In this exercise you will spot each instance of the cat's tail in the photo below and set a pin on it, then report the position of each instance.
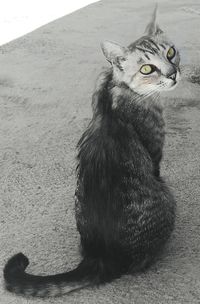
(89, 272)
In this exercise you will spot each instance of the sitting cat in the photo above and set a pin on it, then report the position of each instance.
(124, 210)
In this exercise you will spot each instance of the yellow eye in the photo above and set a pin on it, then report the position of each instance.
(171, 53)
(147, 69)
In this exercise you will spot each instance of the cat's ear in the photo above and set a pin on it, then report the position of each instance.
(114, 53)
(152, 28)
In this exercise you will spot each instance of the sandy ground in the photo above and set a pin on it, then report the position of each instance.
(46, 82)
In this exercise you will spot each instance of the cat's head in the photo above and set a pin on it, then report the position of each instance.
(148, 65)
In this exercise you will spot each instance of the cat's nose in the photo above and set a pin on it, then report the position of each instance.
(172, 76)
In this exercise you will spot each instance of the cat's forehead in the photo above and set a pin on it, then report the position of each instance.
(150, 45)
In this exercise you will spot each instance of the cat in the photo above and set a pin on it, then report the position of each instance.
(125, 212)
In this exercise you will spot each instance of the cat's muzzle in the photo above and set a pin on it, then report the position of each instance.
(173, 76)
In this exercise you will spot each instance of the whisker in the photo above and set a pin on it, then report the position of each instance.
(144, 96)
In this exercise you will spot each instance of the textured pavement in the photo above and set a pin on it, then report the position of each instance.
(46, 81)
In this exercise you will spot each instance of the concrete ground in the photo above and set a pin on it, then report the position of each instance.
(46, 82)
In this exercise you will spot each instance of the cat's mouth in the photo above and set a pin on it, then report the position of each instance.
(170, 86)
(173, 76)
(172, 81)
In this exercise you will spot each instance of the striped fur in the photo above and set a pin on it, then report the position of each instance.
(125, 212)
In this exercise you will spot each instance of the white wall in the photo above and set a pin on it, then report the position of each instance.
(18, 17)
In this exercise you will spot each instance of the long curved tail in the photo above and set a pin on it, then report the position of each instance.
(88, 272)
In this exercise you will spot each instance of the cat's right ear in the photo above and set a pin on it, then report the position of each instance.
(152, 28)
(114, 53)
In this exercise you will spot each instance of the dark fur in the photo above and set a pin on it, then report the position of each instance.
(124, 211)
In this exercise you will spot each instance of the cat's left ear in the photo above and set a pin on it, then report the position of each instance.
(114, 53)
(152, 28)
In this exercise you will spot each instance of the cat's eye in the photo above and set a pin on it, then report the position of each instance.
(171, 53)
(147, 69)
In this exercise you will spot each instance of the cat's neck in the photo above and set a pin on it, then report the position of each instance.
(112, 97)
(145, 115)
(116, 106)
(126, 100)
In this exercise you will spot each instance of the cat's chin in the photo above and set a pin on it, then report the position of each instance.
(172, 87)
